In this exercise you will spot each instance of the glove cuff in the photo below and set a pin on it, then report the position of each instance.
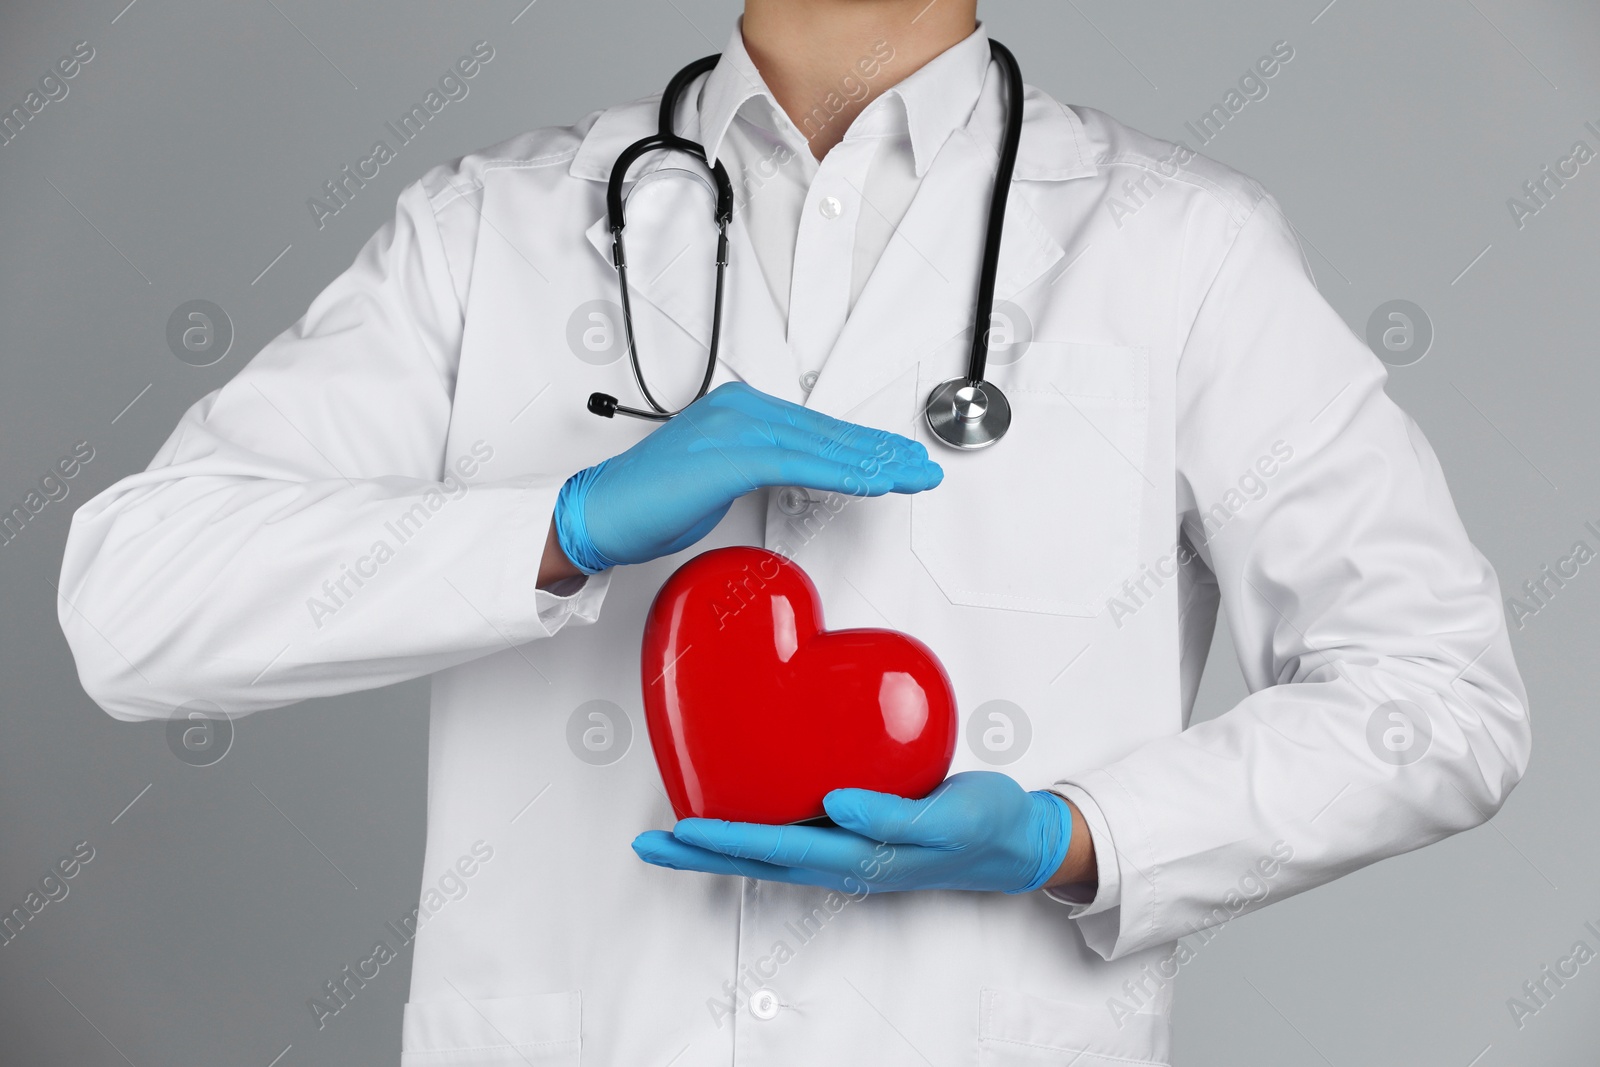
(572, 534)
(1050, 831)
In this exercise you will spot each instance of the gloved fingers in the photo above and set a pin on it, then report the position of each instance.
(869, 439)
(748, 469)
(784, 451)
(827, 475)
(887, 817)
(872, 457)
(662, 849)
(870, 468)
(884, 444)
(818, 848)
(760, 436)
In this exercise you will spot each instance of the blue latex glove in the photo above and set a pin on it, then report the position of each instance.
(978, 830)
(668, 491)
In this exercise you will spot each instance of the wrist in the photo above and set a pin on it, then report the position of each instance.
(1080, 866)
(570, 525)
(554, 566)
(1050, 826)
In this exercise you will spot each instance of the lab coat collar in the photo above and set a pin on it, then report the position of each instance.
(1054, 147)
(735, 84)
(926, 106)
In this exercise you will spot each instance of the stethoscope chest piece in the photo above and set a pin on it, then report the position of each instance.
(968, 415)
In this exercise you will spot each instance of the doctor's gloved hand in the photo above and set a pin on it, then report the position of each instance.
(978, 830)
(669, 490)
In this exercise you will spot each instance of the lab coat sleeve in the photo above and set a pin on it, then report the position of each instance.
(303, 532)
(1106, 892)
(1385, 710)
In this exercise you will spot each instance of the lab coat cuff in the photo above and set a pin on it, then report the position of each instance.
(574, 600)
(1108, 892)
(1124, 853)
(524, 611)
(571, 600)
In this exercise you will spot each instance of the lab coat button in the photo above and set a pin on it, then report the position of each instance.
(764, 1004)
(793, 500)
(808, 380)
(830, 207)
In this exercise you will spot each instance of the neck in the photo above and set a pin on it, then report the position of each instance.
(826, 60)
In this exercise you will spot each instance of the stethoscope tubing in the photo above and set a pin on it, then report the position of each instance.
(989, 266)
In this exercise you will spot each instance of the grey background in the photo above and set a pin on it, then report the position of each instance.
(181, 161)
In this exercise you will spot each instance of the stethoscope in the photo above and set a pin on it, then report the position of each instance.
(966, 412)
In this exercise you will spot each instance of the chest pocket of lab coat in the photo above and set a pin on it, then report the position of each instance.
(1047, 519)
(544, 1029)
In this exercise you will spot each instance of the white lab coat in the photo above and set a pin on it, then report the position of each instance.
(1194, 426)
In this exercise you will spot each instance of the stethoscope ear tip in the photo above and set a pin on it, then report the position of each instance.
(603, 405)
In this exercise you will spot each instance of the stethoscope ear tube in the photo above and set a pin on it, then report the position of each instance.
(664, 139)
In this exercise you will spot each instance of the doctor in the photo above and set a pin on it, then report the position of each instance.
(407, 482)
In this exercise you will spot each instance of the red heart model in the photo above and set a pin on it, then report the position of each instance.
(755, 711)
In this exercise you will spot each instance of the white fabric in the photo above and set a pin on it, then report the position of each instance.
(1184, 385)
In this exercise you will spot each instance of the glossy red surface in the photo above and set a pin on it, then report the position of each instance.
(755, 711)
